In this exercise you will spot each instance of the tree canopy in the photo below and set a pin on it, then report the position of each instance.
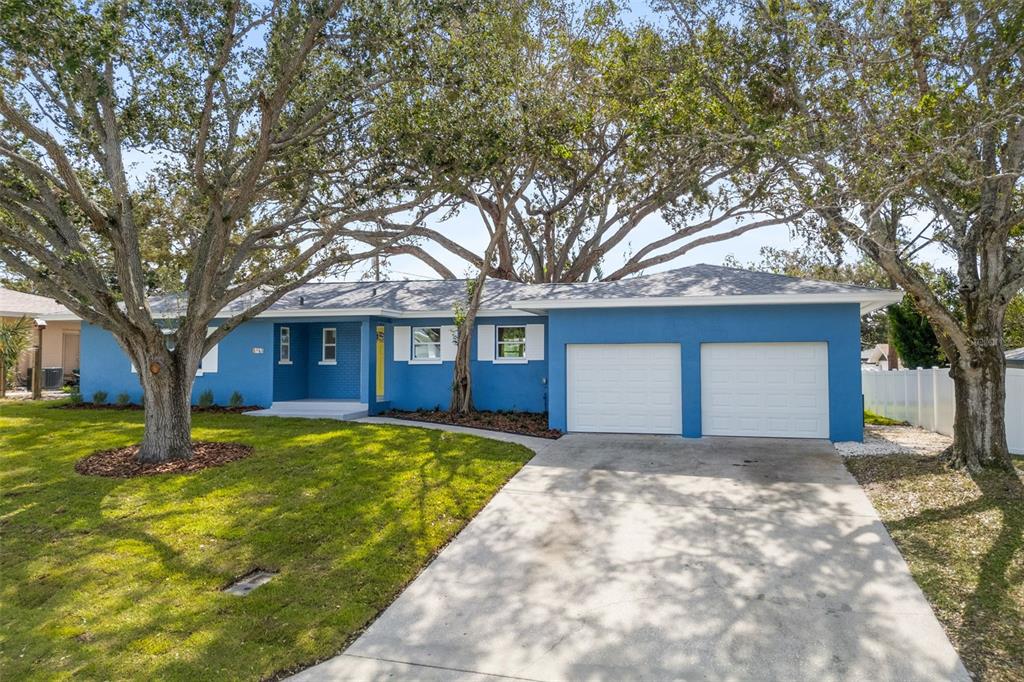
(217, 150)
(900, 128)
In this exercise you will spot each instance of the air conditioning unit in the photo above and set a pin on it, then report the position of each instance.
(53, 377)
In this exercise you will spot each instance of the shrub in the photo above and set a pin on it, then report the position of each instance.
(205, 399)
(235, 400)
(75, 396)
(99, 398)
(123, 400)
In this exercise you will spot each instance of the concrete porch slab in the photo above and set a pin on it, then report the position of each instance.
(314, 409)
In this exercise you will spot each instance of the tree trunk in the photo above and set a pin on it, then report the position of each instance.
(979, 427)
(462, 385)
(3, 379)
(168, 413)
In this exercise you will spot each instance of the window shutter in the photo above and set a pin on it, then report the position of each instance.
(403, 339)
(449, 345)
(534, 342)
(209, 361)
(485, 342)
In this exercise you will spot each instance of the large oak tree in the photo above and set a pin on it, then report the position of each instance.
(232, 135)
(900, 126)
(590, 127)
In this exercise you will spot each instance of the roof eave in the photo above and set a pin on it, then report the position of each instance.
(877, 299)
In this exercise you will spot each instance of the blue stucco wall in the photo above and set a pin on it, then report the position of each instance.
(521, 387)
(339, 381)
(105, 367)
(837, 325)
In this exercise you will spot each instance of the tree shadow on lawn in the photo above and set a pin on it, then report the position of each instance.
(983, 613)
(122, 577)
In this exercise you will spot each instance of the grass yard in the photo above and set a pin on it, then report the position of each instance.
(963, 538)
(120, 578)
(873, 419)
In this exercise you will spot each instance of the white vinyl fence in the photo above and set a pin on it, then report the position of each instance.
(924, 397)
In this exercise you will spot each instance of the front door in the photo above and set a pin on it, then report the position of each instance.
(380, 363)
(70, 352)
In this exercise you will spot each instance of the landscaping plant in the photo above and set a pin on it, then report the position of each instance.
(15, 339)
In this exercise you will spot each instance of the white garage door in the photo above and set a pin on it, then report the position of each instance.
(764, 389)
(624, 388)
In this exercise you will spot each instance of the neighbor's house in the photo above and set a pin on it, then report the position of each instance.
(59, 335)
(702, 350)
(882, 356)
(1015, 358)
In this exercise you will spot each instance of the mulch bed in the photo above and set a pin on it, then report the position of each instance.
(122, 462)
(214, 409)
(524, 423)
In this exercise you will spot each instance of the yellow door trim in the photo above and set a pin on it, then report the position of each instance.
(380, 362)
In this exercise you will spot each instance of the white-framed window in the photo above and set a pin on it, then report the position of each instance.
(511, 343)
(426, 343)
(284, 356)
(329, 356)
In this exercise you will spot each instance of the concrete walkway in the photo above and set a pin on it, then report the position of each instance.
(628, 557)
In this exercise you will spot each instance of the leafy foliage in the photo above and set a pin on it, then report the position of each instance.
(912, 335)
(15, 339)
(570, 127)
(215, 151)
(900, 128)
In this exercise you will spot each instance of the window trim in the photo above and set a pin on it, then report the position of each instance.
(498, 343)
(324, 345)
(428, 360)
(283, 332)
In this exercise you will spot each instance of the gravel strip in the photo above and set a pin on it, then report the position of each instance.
(895, 440)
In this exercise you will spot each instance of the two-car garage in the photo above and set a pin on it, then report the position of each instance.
(746, 389)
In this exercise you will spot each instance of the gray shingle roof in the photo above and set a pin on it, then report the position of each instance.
(699, 280)
(1015, 357)
(419, 296)
(15, 303)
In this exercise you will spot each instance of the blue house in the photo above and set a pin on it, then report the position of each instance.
(702, 350)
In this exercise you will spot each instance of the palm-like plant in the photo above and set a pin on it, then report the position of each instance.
(15, 339)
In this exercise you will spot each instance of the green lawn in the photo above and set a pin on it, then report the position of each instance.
(963, 538)
(878, 420)
(121, 579)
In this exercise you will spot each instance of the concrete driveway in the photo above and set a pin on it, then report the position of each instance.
(647, 557)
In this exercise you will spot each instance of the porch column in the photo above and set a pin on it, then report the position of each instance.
(367, 362)
(37, 371)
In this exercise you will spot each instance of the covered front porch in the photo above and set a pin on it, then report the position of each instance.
(329, 367)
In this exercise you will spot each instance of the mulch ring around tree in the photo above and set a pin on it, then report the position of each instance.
(524, 423)
(123, 462)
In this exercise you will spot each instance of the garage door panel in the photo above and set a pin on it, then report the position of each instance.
(624, 388)
(765, 389)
